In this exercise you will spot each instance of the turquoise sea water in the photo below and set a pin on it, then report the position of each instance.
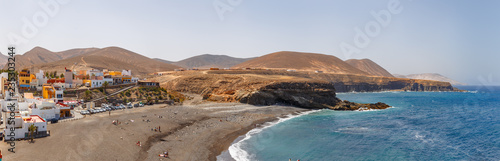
(421, 126)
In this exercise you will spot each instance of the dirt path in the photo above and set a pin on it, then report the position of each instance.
(85, 63)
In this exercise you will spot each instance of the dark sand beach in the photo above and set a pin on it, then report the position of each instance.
(189, 132)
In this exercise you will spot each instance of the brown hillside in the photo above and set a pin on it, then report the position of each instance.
(39, 55)
(3, 60)
(209, 61)
(369, 66)
(112, 58)
(301, 61)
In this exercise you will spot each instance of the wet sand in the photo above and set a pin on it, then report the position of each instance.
(190, 132)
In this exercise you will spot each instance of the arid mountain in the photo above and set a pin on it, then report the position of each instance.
(75, 52)
(111, 58)
(39, 55)
(209, 61)
(369, 66)
(3, 60)
(301, 61)
(164, 61)
(431, 76)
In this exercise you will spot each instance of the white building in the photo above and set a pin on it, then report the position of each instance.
(96, 83)
(95, 72)
(68, 78)
(134, 80)
(126, 72)
(43, 108)
(40, 80)
(59, 91)
(109, 80)
(22, 124)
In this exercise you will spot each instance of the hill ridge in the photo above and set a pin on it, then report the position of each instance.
(301, 61)
(369, 66)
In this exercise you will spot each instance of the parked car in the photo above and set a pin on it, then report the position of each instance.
(136, 105)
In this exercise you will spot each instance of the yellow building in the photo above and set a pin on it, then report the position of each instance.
(48, 91)
(87, 82)
(24, 79)
(126, 79)
(115, 73)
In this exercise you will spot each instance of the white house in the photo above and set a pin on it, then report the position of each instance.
(109, 80)
(134, 80)
(22, 124)
(95, 72)
(40, 80)
(96, 83)
(126, 72)
(43, 108)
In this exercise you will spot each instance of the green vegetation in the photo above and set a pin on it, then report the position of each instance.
(32, 130)
(105, 85)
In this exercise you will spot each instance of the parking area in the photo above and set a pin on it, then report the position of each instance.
(110, 107)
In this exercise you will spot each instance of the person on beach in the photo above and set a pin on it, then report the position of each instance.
(159, 129)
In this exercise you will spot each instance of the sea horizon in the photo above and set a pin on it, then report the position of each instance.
(404, 128)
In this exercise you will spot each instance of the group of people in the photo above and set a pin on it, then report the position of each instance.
(165, 154)
(116, 122)
(156, 129)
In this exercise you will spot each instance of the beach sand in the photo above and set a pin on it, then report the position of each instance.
(190, 132)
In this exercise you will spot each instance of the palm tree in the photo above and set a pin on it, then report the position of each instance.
(105, 85)
(32, 129)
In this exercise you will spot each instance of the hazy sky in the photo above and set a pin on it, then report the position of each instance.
(456, 38)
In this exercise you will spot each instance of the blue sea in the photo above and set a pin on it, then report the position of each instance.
(420, 126)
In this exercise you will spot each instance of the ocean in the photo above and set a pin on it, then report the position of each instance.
(420, 126)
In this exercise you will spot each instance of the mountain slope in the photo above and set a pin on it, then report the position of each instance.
(39, 55)
(369, 66)
(431, 76)
(112, 58)
(3, 60)
(301, 61)
(164, 61)
(208, 61)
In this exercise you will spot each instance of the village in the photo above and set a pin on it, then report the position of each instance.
(43, 98)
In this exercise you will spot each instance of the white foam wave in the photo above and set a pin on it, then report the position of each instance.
(367, 110)
(236, 151)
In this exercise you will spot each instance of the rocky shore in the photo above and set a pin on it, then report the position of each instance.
(266, 90)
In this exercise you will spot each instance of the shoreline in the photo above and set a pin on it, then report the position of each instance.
(226, 143)
(188, 132)
(242, 132)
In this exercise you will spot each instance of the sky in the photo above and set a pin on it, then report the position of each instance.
(459, 39)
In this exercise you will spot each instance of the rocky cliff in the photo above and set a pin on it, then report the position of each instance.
(263, 90)
(356, 83)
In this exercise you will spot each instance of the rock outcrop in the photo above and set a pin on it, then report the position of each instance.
(268, 90)
(301, 94)
(351, 106)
